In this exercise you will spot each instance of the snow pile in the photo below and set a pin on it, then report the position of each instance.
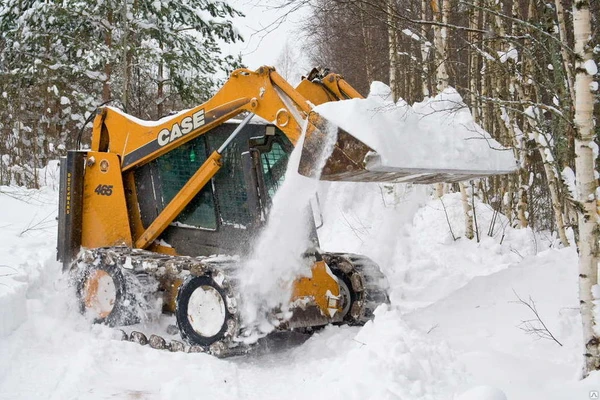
(26, 218)
(484, 320)
(434, 258)
(438, 133)
(483, 393)
(277, 259)
(13, 309)
(386, 359)
(412, 238)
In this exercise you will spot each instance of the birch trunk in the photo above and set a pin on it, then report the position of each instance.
(586, 186)
(552, 177)
(562, 31)
(425, 48)
(473, 60)
(468, 210)
(441, 44)
(367, 45)
(392, 48)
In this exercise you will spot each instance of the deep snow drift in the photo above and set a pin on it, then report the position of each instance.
(438, 133)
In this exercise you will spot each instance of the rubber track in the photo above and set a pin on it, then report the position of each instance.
(368, 283)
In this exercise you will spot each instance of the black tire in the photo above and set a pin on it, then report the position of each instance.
(183, 299)
(123, 311)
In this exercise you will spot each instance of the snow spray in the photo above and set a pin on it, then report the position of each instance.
(277, 259)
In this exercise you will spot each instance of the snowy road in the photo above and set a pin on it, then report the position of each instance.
(453, 324)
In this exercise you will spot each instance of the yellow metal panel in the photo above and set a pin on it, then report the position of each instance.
(316, 93)
(322, 287)
(104, 218)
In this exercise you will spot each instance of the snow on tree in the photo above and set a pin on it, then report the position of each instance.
(60, 60)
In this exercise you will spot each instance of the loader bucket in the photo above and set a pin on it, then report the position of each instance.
(353, 161)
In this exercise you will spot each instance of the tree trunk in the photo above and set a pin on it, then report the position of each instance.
(367, 45)
(468, 210)
(108, 66)
(560, 19)
(126, 60)
(552, 177)
(441, 44)
(586, 186)
(425, 49)
(392, 48)
(474, 61)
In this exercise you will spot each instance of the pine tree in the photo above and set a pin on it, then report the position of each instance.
(60, 60)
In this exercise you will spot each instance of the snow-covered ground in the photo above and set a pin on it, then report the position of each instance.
(452, 331)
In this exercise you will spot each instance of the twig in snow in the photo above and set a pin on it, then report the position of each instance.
(474, 212)
(535, 326)
(38, 225)
(515, 251)
(448, 219)
(432, 328)
(9, 267)
(382, 196)
(352, 228)
(504, 231)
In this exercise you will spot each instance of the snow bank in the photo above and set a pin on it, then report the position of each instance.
(386, 359)
(26, 218)
(483, 320)
(438, 133)
(13, 309)
(483, 393)
(410, 236)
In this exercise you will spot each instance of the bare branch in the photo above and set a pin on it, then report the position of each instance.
(535, 326)
(448, 219)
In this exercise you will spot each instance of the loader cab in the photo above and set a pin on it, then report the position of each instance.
(228, 213)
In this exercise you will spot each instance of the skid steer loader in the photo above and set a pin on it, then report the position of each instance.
(146, 208)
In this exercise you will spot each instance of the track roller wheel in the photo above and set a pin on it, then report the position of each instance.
(102, 293)
(362, 286)
(349, 296)
(206, 313)
(112, 295)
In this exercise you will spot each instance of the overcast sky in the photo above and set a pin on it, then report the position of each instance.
(265, 29)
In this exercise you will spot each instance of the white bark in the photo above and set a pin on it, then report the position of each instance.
(473, 61)
(560, 19)
(392, 48)
(425, 48)
(552, 177)
(586, 186)
(441, 43)
(366, 36)
(468, 210)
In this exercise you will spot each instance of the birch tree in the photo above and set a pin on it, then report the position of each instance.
(587, 185)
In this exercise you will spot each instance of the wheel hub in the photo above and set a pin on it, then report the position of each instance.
(206, 311)
(344, 296)
(100, 293)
